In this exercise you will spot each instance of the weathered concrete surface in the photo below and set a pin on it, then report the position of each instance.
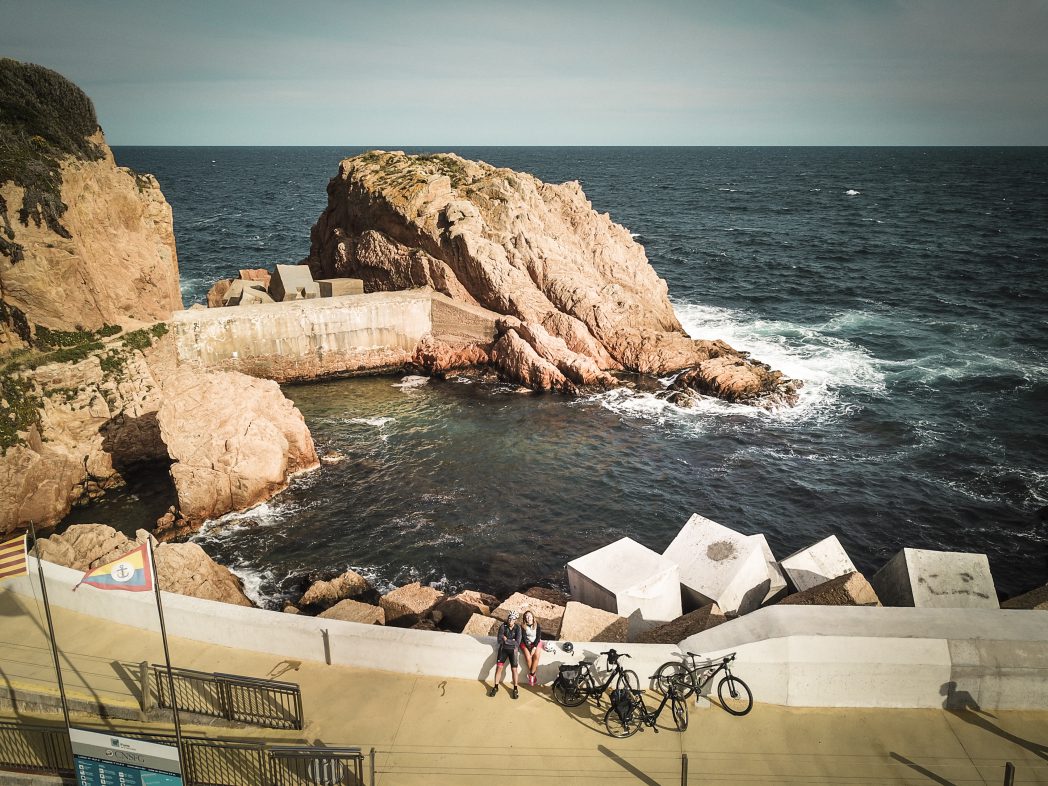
(630, 580)
(585, 623)
(817, 564)
(936, 579)
(1034, 599)
(337, 287)
(851, 589)
(688, 625)
(719, 565)
(310, 339)
(292, 282)
(778, 586)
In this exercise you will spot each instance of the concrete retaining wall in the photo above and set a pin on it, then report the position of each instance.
(311, 339)
(807, 656)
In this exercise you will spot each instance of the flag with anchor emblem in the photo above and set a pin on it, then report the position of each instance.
(131, 572)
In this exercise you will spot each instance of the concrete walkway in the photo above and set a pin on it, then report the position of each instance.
(432, 731)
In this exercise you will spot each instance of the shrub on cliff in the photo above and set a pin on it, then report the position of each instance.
(44, 118)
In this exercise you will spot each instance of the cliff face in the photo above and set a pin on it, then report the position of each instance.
(579, 295)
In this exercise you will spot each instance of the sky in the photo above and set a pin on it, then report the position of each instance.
(569, 72)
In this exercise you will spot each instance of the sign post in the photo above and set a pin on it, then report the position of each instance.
(101, 759)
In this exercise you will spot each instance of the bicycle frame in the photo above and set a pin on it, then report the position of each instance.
(599, 690)
(695, 671)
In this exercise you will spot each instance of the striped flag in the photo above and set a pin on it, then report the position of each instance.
(12, 558)
(131, 572)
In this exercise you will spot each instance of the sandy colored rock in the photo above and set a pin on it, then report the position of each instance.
(851, 589)
(118, 262)
(548, 615)
(255, 274)
(585, 623)
(354, 611)
(327, 593)
(186, 568)
(679, 629)
(479, 625)
(216, 296)
(1034, 599)
(581, 288)
(738, 380)
(425, 624)
(457, 610)
(554, 596)
(85, 546)
(406, 605)
(235, 441)
(291, 609)
(436, 358)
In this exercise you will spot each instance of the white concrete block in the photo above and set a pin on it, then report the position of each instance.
(627, 579)
(778, 586)
(817, 564)
(936, 579)
(719, 565)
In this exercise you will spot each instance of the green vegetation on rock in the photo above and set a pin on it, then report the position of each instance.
(44, 118)
(19, 409)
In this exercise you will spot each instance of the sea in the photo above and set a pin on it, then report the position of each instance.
(907, 287)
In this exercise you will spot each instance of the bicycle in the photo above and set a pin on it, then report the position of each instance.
(576, 683)
(628, 713)
(734, 694)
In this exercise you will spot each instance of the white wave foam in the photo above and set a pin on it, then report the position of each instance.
(374, 422)
(411, 381)
(828, 366)
(252, 581)
(852, 192)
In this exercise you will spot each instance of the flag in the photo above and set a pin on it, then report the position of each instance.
(12, 558)
(131, 572)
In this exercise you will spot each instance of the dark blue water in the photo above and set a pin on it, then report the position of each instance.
(906, 286)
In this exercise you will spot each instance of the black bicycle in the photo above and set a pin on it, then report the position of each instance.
(734, 694)
(628, 714)
(577, 682)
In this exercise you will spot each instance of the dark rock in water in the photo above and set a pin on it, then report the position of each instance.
(733, 379)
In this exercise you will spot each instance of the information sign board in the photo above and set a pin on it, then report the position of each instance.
(101, 759)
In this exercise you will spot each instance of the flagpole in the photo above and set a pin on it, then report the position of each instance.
(50, 626)
(167, 653)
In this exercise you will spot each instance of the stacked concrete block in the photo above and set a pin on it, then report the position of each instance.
(336, 287)
(779, 586)
(479, 625)
(1034, 599)
(353, 611)
(817, 564)
(254, 297)
(719, 565)
(851, 589)
(679, 629)
(936, 580)
(585, 623)
(548, 615)
(293, 282)
(630, 580)
(406, 605)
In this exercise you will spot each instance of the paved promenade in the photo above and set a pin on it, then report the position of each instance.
(432, 731)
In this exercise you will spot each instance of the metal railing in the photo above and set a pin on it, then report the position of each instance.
(269, 703)
(43, 749)
(205, 761)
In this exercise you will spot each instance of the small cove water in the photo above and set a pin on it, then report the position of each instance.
(904, 285)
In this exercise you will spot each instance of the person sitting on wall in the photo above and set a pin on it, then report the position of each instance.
(531, 645)
(507, 641)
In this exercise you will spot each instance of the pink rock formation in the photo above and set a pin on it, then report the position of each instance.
(583, 298)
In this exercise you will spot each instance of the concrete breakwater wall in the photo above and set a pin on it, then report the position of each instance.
(802, 656)
(309, 339)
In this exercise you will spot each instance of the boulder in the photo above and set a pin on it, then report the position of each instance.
(936, 579)
(817, 564)
(1034, 599)
(406, 605)
(584, 299)
(585, 623)
(186, 568)
(353, 611)
(739, 380)
(547, 615)
(85, 546)
(216, 296)
(291, 609)
(688, 625)
(436, 358)
(425, 624)
(259, 274)
(554, 596)
(851, 589)
(457, 610)
(327, 593)
(479, 625)
(235, 441)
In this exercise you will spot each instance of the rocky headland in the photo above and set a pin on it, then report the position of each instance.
(90, 389)
(578, 298)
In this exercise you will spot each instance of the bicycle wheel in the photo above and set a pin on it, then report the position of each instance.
(619, 727)
(570, 694)
(679, 709)
(677, 675)
(630, 678)
(734, 695)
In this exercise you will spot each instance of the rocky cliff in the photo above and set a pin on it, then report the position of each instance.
(578, 294)
(88, 394)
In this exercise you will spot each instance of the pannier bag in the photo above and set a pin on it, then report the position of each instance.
(570, 674)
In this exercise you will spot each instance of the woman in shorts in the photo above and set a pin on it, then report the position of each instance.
(531, 645)
(508, 642)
